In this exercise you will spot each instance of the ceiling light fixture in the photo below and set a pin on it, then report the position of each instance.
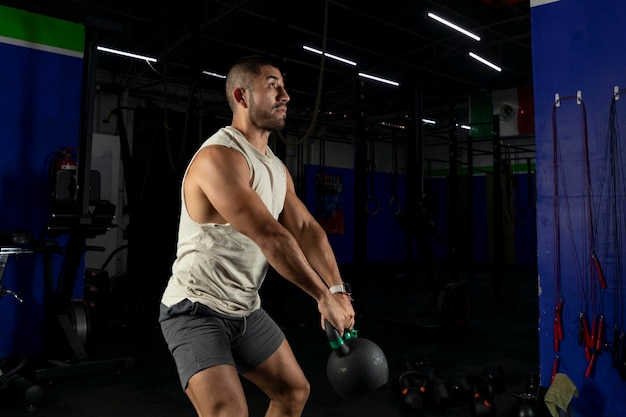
(428, 121)
(126, 54)
(453, 26)
(347, 61)
(326, 54)
(484, 61)
(380, 80)
(214, 74)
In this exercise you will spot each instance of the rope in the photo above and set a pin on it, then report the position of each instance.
(616, 213)
(590, 268)
(395, 205)
(371, 173)
(557, 166)
(319, 88)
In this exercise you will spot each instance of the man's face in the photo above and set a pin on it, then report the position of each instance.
(268, 100)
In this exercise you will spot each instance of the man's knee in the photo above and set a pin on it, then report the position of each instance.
(217, 391)
(297, 394)
(291, 400)
(301, 391)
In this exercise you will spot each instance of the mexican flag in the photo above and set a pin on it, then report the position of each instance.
(512, 108)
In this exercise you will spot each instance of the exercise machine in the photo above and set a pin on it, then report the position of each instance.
(68, 324)
(11, 380)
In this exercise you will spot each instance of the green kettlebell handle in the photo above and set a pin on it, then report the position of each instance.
(336, 341)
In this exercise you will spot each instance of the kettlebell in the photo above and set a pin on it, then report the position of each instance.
(410, 387)
(356, 366)
(525, 406)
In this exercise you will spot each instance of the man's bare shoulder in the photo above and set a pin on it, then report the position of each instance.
(215, 161)
(216, 154)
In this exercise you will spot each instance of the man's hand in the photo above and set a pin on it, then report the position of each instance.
(337, 309)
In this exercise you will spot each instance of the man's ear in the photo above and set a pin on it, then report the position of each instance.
(240, 96)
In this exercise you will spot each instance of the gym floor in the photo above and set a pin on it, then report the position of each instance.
(394, 311)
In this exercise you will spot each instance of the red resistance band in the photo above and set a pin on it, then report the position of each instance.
(593, 341)
(596, 262)
(558, 326)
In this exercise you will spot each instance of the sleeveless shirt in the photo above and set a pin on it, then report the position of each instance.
(215, 264)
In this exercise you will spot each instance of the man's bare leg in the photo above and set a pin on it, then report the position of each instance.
(217, 392)
(282, 379)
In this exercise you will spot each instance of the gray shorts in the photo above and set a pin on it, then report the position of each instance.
(199, 338)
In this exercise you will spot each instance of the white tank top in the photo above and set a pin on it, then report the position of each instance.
(215, 264)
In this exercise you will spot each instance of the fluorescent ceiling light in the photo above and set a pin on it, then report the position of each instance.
(453, 26)
(347, 61)
(127, 54)
(381, 80)
(466, 127)
(213, 74)
(428, 121)
(326, 54)
(484, 61)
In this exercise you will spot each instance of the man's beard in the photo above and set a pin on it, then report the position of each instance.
(265, 120)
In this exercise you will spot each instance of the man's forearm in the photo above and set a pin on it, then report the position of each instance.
(288, 259)
(320, 256)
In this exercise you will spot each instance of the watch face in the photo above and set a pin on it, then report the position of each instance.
(347, 289)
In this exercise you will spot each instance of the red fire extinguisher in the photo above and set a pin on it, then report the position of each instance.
(64, 176)
(66, 159)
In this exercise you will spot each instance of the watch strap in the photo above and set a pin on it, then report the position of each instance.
(343, 288)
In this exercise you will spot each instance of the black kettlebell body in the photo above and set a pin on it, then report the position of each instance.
(482, 407)
(356, 366)
(410, 388)
(524, 409)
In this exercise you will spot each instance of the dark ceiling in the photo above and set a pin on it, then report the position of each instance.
(393, 39)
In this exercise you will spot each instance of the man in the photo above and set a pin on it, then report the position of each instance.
(239, 214)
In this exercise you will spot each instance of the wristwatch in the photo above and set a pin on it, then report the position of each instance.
(343, 288)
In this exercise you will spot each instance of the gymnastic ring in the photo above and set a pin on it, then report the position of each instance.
(367, 205)
(398, 209)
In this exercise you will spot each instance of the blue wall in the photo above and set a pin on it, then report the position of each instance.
(39, 113)
(578, 45)
(387, 240)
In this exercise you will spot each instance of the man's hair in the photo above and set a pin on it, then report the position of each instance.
(241, 73)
